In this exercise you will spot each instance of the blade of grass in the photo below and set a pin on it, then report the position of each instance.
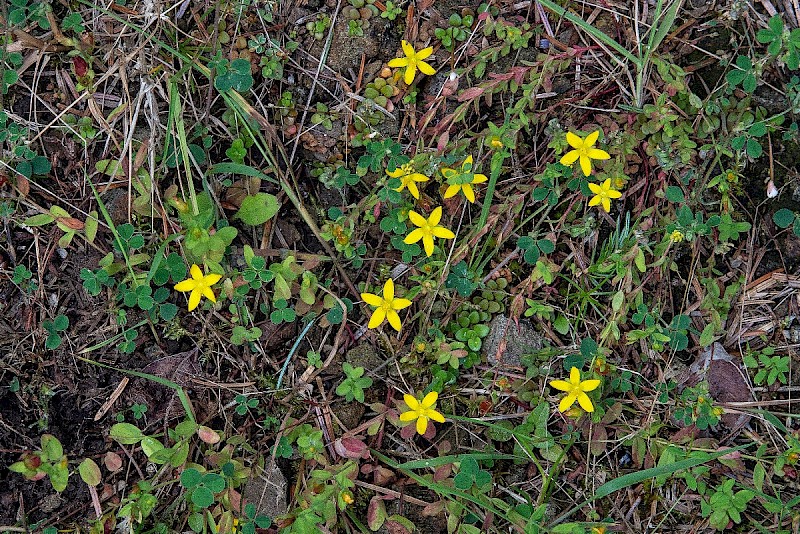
(175, 117)
(187, 406)
(637, 477)
(591, 30)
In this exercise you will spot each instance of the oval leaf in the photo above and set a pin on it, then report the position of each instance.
(90, 472)
(126, 434)
(258, 209)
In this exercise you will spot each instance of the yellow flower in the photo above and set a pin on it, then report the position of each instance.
(386, 306)
(462, 180)
(603, 194)
(421, 411)
(199, 285)
(496, 142)
(584, 150)
(576, 390)
(428, 229)
(408, 178)
(413, 61)
(676, 236)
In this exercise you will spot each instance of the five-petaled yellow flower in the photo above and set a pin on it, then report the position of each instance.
(386, 306)
(462, 180)
(199, 285)
(413, 61)
(584, 151)
(576, 390)
(603, 194)
(421, 411)
(427, 229)
(408, 178)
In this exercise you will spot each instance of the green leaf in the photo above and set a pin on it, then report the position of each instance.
(126, 434)
(202, 497)
(707, 337)
(39, 220)
(90, 472)
(190, 478)
(51, 448)
(258, 209)
(561, 325)
(783, 217)
(754, 149)
(675, 194)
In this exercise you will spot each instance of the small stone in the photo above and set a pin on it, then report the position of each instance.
(507, 343)
(267, 491)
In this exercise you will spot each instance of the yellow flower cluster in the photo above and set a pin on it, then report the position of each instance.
(583, 151)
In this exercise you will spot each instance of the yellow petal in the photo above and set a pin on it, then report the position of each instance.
(575, 376)
(595, 188)
(425, 68)
(212, 278)
(467, 161)
(613, 193)
(196, 273)
(408, 416)
(560, 385)
(416, 218)
(596, 153)
(595, 200)
(419, 177)
(207, 293)
(468, 192)
(377, 318)
(591, 138)
(408, 50)
(585, 402)
(422, 425)
(186, 285)
(430, 399)
(606, 204)
(566, 402)
(436, 216)
(479, 178)
(399, 304)
(586, 165)
(574, 141)
(590, 385)
(411, 71)
(452, 191)
(388, 290)
(194, 299)
(414, 236)
(427, 244)
(394, 320)
(444, 233)
(398, 62)
(412, 188)
(397, 173)
(372, 300)
(425, 53)
(436, 416)
(570, 157)
(411, 401)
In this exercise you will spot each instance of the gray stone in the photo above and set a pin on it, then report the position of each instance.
(267, 491)
(506, 342)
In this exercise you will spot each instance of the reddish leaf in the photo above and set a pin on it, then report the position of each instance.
(376, 513)
(351, 448)
(471, 93)
(207, 435)
(112, 461)
(80, 66)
